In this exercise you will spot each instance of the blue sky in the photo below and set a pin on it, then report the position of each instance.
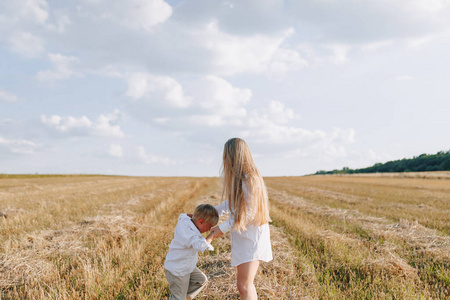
(148, 87)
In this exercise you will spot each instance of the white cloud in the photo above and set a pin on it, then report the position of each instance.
(343, 136)
(20, 25)
(286, 60)
(162, 101)
(134, 14)
(202, 71)
(7, 97)
(104, 126)
(19, 146)
(65, 124)
(331, 149)
(35, 11)
(265, 130)
(404, 78)
(339, 53)
(421, 40)
(244, 18)
(217, 38)
(246, 54)
(115, 150)
(206, 120)
(376, 45)
(72, 126)
(277, 113)
(62, 68)
(162, 89)
(214, 47)
(212, 101)
(273, 129)
(61, 21)
(270, 125)
(219, 97)
(26, 44)
(149, 158)
(432, 6)
(374, 157)
(358, 22)
(219, 109)
(292, 146)
(337, 158)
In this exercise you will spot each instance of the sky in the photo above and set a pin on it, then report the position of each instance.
(155, 88)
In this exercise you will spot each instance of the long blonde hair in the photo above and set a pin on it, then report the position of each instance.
(239, 168)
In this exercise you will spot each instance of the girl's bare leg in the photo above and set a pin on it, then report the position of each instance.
(246, 273)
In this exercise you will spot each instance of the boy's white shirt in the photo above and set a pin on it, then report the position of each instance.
(183, 250)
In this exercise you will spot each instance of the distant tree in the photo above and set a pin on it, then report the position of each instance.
(424, 162)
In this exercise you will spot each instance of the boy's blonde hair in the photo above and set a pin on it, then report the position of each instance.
(206, 212)
(239, 168)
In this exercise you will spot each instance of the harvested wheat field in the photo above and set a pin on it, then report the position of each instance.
(333, 237)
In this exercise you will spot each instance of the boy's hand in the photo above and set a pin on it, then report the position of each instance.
(210, 237)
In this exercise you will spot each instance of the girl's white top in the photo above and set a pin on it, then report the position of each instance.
(251, 244)
(183, 250)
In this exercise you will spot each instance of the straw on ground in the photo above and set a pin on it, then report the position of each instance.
(333, 237)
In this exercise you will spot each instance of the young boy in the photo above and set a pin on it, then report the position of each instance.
(185, 279)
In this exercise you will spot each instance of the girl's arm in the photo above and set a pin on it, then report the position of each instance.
(215, 233)
(225, 226)
(222, 208)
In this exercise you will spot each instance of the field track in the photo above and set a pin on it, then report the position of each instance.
(333, 237)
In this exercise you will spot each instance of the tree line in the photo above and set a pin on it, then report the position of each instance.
(424, 162)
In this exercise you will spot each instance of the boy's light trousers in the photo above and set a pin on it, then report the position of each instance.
(187, 286)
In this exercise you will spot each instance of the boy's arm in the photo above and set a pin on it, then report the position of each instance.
(200, 244)
(210, 237)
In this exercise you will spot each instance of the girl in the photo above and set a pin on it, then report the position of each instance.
(247, 203)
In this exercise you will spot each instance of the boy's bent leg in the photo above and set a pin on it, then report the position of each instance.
(178, 285)
(197, 282)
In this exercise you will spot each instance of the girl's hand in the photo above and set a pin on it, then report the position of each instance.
(190, 215)
(216, 232)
